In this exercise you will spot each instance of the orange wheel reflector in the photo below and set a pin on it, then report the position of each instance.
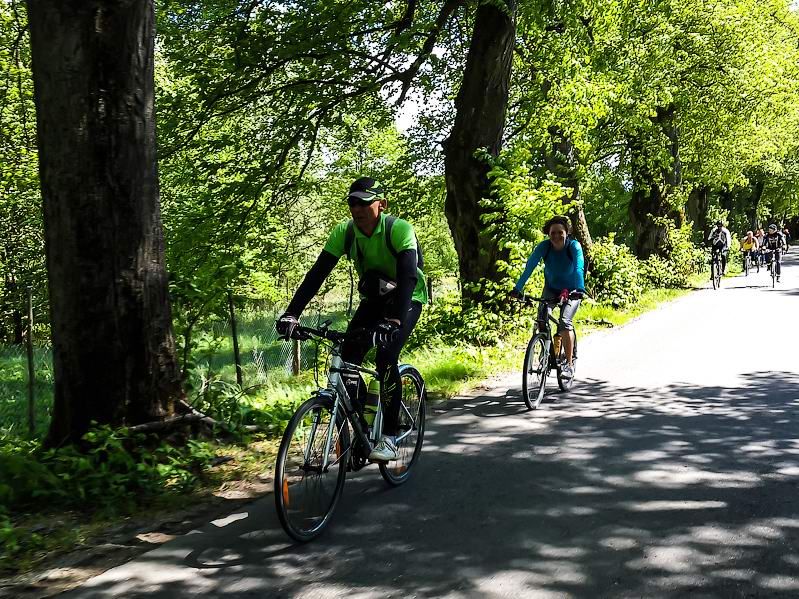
(338, 448)
(401, 469)
(285, 492)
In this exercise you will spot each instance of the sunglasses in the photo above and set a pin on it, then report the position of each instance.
(353, 201)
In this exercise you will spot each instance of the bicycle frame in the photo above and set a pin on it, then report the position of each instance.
(549, 338)
(337, 392)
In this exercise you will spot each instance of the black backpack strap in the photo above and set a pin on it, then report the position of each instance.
(389, 224)
(390, 220)
(546, 254)
(349, 239)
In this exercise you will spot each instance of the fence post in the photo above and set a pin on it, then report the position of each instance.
(295, 357)
(31, 411)
(236, 356)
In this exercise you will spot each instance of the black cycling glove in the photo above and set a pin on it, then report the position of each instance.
(385, 332)
(285, 326)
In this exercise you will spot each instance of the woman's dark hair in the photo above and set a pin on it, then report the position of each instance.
(558, 220)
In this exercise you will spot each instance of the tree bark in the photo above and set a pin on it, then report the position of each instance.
(696, 208)
(562, 163)
(651, 189)
(757, 195)
(481, 107)
(113, 345)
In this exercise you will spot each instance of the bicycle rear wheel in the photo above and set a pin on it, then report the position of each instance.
(565, 383)
(410, 427)
(536, 368)
(306, 493)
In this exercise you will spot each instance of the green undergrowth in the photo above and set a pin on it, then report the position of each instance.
(55, 500)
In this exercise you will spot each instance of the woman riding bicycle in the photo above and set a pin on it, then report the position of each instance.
(749, 245)
(564, 271)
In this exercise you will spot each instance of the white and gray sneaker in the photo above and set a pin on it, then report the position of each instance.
(385, 450)
(566, 371)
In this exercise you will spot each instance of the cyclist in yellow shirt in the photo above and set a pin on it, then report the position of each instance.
(750, 246)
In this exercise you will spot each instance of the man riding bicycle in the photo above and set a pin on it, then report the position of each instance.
(564, 271)
(392, 287)
(720, 241)
(774, 245)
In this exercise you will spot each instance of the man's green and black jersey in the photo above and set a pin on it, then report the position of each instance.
(399, 263)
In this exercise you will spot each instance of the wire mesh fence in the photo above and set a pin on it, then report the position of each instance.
(262, 357)
(15, 389)
(261, 353)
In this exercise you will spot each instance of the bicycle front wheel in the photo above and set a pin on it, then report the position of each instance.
(410, 427)
(715, 274)
(308, 486)
(536, 368)
(565, 382)
(747, 262)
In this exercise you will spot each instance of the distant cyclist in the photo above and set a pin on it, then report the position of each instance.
(787, 234)
(564, 271)
(774, 244)
(392, 287)
(749, 245)
(720, 241)
(759, 234)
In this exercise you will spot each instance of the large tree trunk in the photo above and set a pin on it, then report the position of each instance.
(113, 346)
(754, 205)
(480, 107)
(696, 208)
(562, 163)
(650, 197)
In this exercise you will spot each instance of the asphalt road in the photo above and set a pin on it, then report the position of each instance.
(670, 469)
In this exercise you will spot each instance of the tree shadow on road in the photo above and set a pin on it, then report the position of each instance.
(606, 491)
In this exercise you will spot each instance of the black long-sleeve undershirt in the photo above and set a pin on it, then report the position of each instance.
(312, 282)
(406, 283)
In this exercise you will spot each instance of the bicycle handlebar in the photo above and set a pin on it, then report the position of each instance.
(302, 333)
(530, 300)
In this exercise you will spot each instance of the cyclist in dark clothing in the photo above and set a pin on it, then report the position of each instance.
(774, 245)
(392, 288)
(720, 240)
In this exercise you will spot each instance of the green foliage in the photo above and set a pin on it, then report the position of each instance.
(22, 262)
(679, 260)
(112, 468)
(614, 277)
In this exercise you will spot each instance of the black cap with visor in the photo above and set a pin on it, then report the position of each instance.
(365, 191)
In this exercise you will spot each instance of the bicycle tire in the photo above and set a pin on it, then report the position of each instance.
(291, 487)
(536, 368)
(713, 274)
(563, 382)
(746, 265)
(411, 417)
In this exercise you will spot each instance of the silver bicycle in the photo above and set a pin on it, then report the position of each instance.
(327, 436)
